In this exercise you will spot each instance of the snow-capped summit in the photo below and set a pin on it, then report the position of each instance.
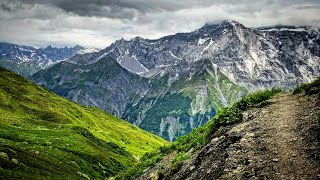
(26, 60)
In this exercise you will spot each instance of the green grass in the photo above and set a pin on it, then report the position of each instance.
(222, 90)
(52, 137)
(309, 89)
(199, 136)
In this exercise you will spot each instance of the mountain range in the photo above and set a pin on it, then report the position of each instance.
(169, 86)
(26, 60)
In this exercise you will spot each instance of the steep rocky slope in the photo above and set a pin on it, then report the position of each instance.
(278, 139)
(44, 136)
(171, 85)
(26, 60)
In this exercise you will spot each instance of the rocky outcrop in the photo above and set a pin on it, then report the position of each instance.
(278, 140)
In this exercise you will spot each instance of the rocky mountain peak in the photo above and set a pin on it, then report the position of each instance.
(226, 24)
(171, 85)
(137, 38)
(231, 22)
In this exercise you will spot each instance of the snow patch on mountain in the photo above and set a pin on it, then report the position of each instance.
(132, 64)
(88, 50)
(202, 41)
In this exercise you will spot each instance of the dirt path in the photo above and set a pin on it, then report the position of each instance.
(280, 140)
(285, 139)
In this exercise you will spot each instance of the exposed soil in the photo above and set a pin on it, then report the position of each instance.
(280, 140)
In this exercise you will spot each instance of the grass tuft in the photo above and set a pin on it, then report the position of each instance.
(309, 89)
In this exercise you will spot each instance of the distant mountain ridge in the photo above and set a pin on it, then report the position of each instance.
(171, 85)
(26, 60)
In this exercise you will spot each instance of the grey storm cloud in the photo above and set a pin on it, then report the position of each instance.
(97, 23)
(127, 9)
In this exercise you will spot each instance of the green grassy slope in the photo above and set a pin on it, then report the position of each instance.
(45, 135)
(309, 88)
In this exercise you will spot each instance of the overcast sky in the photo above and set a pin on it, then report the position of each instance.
(98, 23)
